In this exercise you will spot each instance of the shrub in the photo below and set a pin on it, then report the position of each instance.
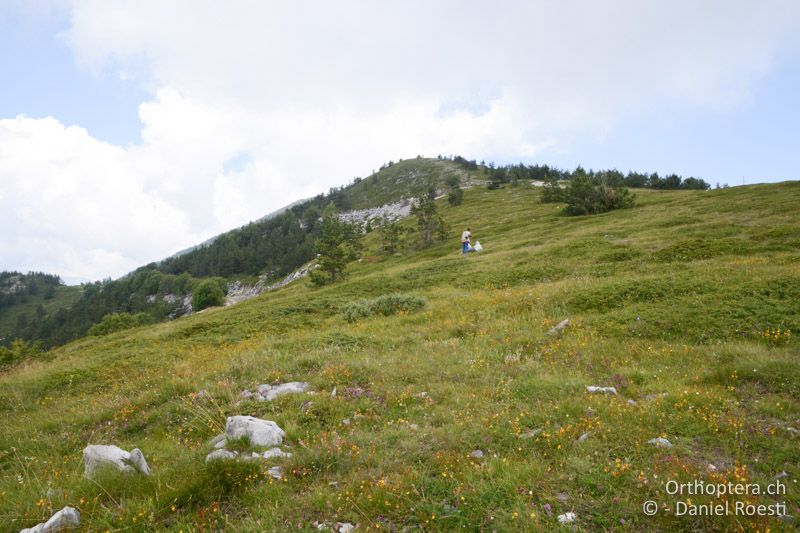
(207, 293)
(585, 198)
(388, 304)
(117, 322)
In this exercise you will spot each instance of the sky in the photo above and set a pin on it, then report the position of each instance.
(130, 130)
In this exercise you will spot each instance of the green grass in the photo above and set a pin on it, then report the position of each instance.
(681, 303)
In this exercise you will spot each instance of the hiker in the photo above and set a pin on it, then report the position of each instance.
(465, 244)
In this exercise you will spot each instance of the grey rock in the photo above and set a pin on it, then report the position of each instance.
(97, 456)
(530, 433)
(558, 327)
(218, 455)
(660, 442)
(246, 395)
(220, 441)
(66, 518)
(592, 389)
(631, 402)
(345, 527)
(794, 432)
(276, 472)
(138, 461)
(270, 392)
(567, 518)
(259, 432)
(477, 454)
(583, 437)
(782, 475)
(275, 453)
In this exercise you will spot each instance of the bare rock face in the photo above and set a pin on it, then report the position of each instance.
(66, 518)
(97, 456)
(259, 432)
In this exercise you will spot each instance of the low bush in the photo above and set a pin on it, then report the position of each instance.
(119, 321)
(388, 304)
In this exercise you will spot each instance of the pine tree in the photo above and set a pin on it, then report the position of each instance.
(331, 250)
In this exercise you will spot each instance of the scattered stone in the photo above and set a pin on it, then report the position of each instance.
(603, 390)
(344, 527)
(413, 427)
(246, 395)
(259, 432)
(782, 475)
(530, 433)
(270, 392)
(220, 441)
(138, 461)
(306, 406)
(631, 402)
(346, 421)
(477, 454)
(276, 472)
(660, 442)
(333, 393)
(583, 437)
(654, 396)
(275, 452)
(711, 468)
(558, 327)
(355, 392)
(96, 456)
(794, 432)
(66, 518)
(567, 518)
(563, 497)
(217, 455)
(200, 396)
(423, 394)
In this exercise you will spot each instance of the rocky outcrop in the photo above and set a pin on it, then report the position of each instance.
(393, 211)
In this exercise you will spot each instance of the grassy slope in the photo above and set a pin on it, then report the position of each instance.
(671, 297)
(63, 296)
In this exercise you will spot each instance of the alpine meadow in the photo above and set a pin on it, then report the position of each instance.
(594, 357)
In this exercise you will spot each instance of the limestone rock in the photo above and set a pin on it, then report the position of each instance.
(276, 472)
(660, 442)
(602, 390)
(567, 518)
(218, 455)
(66, 518)
(275, 452)
(530, 433)
(259, 432)
(220, 441)
(558, 327)
(583, 437)
(477, 454)
(96, 456)
(138, 461)
(270, 392)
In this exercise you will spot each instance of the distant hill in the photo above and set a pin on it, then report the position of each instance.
(28, 298)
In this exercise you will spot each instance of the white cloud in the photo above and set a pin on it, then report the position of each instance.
(316, 93)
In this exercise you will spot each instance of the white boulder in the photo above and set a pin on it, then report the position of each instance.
(66, 518)
(97, 456)
(259, 432)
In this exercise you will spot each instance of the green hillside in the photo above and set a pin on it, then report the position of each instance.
(686, 304)
(26, 306)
